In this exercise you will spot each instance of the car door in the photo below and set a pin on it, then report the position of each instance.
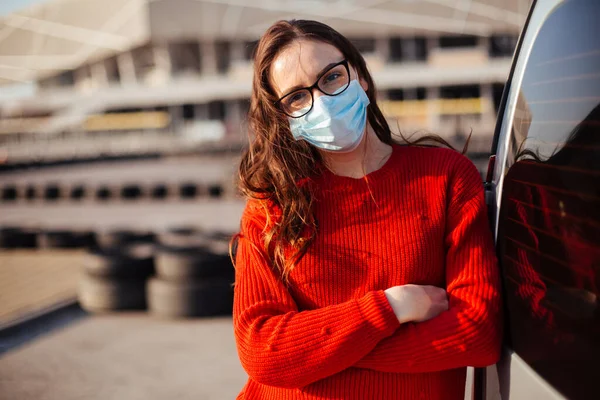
(543, 193)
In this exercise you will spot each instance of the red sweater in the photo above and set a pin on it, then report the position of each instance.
(331, 333)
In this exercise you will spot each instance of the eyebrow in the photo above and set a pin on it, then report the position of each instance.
(319, 75)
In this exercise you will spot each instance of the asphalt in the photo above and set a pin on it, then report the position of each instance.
(118, 356)
(36, 281)
(124, 356)
(129, 356)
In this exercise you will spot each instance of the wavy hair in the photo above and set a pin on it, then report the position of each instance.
(276, 169)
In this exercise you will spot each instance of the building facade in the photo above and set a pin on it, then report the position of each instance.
(172, 76)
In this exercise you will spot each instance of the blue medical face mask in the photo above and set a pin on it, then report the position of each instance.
(335, 123)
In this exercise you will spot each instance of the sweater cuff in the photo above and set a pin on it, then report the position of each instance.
(377, 311)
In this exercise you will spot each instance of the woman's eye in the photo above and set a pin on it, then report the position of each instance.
(296, 98)
(332, 77)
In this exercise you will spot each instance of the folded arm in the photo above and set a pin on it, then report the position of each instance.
(280, 346)
(469, 333)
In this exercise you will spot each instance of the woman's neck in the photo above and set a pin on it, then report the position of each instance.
(370, 155)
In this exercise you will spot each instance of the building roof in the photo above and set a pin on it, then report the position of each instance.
(59, 35)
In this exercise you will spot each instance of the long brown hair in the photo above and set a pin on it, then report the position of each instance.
(275, 168)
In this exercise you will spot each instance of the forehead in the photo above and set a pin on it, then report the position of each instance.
(300, 63)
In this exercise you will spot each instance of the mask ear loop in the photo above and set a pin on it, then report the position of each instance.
(364, 171)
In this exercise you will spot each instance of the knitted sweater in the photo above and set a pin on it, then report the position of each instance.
(330, 333)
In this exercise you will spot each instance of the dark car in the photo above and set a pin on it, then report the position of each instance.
(543, 193)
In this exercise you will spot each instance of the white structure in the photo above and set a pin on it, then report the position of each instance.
(127, 76)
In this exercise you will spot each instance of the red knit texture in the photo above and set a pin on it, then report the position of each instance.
(331, 333)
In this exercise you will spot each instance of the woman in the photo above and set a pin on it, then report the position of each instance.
(364, 269)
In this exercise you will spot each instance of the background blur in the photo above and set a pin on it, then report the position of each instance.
(121, 125)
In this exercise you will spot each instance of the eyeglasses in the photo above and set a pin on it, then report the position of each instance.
(331, 82)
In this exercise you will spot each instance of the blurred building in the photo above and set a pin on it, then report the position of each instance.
(118, 77)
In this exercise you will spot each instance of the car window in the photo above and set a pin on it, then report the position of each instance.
(549, 223)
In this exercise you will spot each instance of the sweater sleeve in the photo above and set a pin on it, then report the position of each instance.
(469, 333)
(279, 345)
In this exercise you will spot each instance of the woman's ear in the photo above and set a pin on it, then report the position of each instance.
(363, 84)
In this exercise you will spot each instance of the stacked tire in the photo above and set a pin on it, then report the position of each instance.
(194, 275)
(115, 272)
(23, 237)
(15, 237)
(66, 239)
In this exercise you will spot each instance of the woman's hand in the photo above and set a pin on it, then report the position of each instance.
(417, 303)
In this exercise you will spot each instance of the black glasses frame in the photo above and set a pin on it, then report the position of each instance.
(312, 87)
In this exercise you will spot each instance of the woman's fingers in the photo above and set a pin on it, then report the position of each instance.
(417, 302)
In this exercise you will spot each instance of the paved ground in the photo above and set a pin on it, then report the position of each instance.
(33, 281)
(119, 356)
(132, 356)
(102, 357)
(126, 357)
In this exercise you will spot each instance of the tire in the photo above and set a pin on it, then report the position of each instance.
(131, 192)
(215, 190)
(120, 237)
(184, 263)
(218, 245)
(226, 269)
(159, 192)
(30, 193)
(65, 239)
(189, 253)
(188, 190)
(18, 238)
(103, 294)
(87, 239)
(104, 193)
(216, 242)
(52, 192)
(77, 193)
(134, 262)
(182, 237)
(9, 193)
(190, 299)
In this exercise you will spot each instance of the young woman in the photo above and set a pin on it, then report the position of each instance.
(365, 269)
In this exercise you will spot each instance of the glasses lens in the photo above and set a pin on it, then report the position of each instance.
(335, 80)
(297, 103)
